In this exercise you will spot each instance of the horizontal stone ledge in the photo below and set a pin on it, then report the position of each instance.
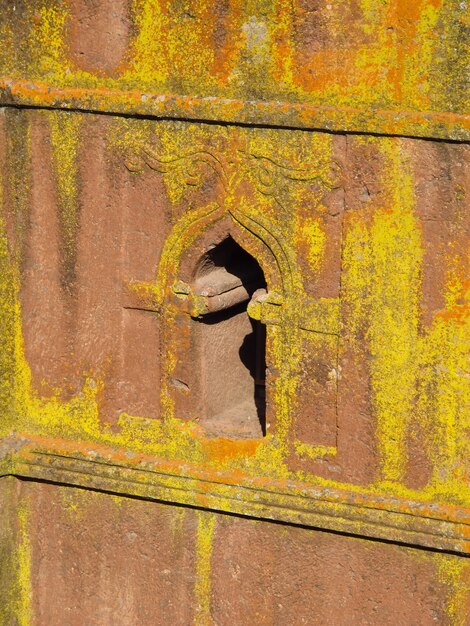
(354, 512)
(300, 115)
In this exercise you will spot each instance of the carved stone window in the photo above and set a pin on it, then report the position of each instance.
(218, 322)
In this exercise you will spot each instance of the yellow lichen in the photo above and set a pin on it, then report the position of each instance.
(455, 573)
(23, 601)
(314, 236)
(47, 41)
(149, 58)
(203, 583)
(18, 178)
(417, 66)
(407, 55)
(314, 452)
(177, 522)
(396, 250)
(7, 334)
(444, 400)
(395, 55)
(65, 132)
(415, 373)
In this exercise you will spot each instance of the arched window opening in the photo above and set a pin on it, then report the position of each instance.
(232, 346)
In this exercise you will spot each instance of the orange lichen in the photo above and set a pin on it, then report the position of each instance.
(400, 57)
(392, 73)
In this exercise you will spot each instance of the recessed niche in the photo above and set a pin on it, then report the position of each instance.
(231, 345)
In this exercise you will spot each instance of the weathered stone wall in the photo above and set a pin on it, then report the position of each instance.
(330, 142)
(99, 559)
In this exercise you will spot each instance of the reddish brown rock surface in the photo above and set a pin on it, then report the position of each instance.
(233, 313)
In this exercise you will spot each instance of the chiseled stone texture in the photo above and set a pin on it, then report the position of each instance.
(109, 561)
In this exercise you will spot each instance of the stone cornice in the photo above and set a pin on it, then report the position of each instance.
(300, 115)
(355, 511)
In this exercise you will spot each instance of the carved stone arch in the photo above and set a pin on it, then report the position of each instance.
(255, 234)
(274, 241)
(183, 234)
